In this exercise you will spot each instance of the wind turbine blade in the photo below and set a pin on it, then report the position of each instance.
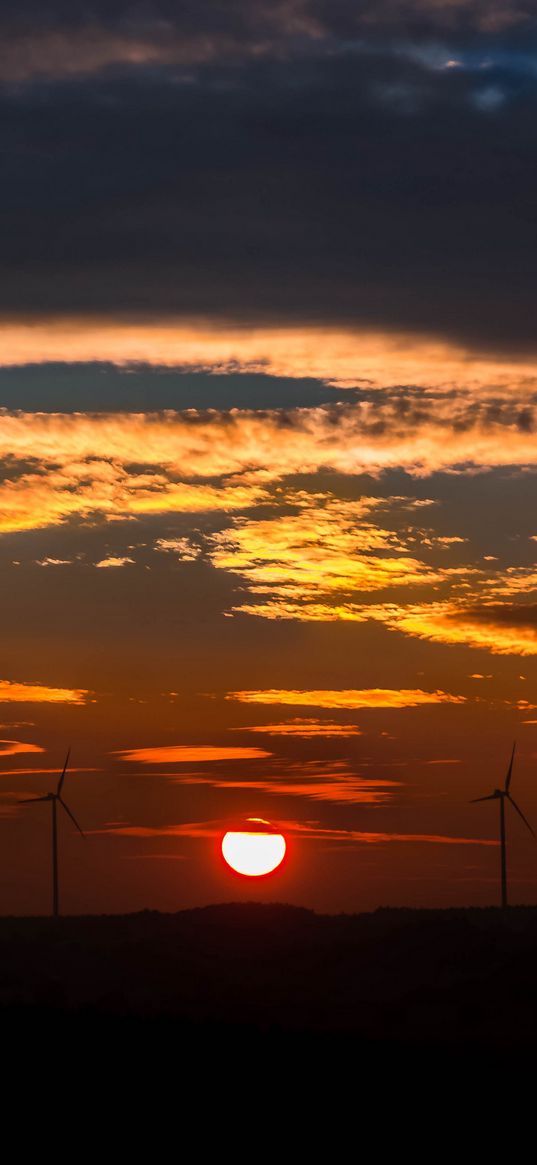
(64, 770)
(32, 800)
(510, 769)
(491, 797)
(520, 813)
(71, 815)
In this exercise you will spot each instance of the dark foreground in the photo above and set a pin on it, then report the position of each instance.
(248, 1033)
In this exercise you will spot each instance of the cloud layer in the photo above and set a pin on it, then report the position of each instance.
(187, 159)
(62, 41)
(61, 465)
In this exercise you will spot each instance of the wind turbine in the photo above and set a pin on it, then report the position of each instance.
(503, 795)
(55, 800)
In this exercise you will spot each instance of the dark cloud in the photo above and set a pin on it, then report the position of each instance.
(61, 39)
(363, 183)
(510, 614)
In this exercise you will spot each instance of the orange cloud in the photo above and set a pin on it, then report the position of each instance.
(304, 728)
(194, 829)
(182, 547)
(104, 487)
(114, 562)
(13, 747)
(454, 623)
(189, 753)
(39, 772)
(326, 612)
(494, 609)
(376, 838)
(82, 464)
(245, 450)
(53, 561)
(333, 787)
(329, 546)
(443, 761)
(12, 692)
(347, 698)
(340, 356)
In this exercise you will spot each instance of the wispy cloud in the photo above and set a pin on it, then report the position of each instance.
(48, 561)
(114, 562)
(189, 754)
(184, 548)
(340, 356)
(307, 728)
(480, 608)
(212, 829)
(347, 698)
(12, 692)
(82, 41)
(315, 557)
(503, 629)
(106, 489)
(329, 546)
(13, 747)
(338, 787)
(111, 461)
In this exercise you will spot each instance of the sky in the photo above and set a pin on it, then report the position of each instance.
(268, 393)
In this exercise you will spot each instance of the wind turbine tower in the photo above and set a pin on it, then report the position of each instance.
(503, 795)
(55, 799)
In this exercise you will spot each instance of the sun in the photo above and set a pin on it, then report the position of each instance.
(255, 850)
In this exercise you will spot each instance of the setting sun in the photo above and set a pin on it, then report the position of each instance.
(254, 851)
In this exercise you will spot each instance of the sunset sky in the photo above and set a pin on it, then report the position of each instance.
(268, 380)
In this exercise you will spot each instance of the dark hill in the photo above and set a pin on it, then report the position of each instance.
(398, 974)
(380, 1030)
